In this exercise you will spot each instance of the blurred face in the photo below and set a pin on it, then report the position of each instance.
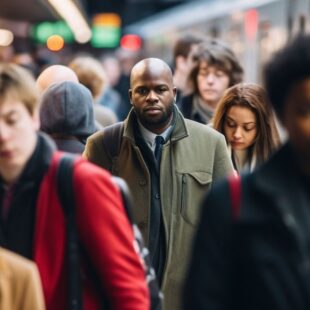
(17, 138)
(296, 119)
(240, 127)
(152, 96)
(212, 82)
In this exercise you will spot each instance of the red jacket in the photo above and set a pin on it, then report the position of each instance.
(105, 234)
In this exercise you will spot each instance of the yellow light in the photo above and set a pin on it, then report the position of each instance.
(107, 19)
(6, 37)
(55, 43)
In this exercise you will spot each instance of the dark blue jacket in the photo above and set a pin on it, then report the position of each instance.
(261, 260)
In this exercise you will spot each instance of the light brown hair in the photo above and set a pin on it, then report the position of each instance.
(90, 73)
(16, 83)
(253, 97)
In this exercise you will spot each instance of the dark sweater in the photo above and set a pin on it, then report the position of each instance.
(17, 231)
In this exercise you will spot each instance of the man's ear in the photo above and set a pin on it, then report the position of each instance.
(175, 93)
(130, 95)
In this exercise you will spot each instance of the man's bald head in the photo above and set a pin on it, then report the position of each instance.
(151, 66)
(55, 74)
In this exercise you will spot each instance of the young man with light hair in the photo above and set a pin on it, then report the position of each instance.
(32, 219)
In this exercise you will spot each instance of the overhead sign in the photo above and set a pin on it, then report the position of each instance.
(42, 31)
(106, 31)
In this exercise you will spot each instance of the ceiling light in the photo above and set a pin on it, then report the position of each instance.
(6, 37)
(68, 10)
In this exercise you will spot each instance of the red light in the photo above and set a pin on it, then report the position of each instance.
(131, 42)
(251, 23)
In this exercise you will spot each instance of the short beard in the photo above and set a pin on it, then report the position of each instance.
(156, 124)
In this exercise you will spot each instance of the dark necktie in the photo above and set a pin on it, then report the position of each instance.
(159, 141)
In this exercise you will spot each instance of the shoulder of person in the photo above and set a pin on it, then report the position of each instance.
(198, 128)
(98, 135)
(16, 263)
(85, 169)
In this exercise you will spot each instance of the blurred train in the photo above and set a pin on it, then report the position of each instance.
(254, 29)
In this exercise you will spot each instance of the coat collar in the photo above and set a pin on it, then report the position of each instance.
(179, 131)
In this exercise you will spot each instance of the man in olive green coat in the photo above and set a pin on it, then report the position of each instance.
(168, 179)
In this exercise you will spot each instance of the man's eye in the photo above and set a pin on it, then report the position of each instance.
(142, 91)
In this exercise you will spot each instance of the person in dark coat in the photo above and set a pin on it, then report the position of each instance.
(259, 258)
(67, 115)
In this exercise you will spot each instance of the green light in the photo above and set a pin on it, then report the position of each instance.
(62, 29)
(42, 31)
(105, 36)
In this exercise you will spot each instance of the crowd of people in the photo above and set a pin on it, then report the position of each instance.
(220, 198)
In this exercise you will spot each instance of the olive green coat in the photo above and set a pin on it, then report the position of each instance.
(192, 159)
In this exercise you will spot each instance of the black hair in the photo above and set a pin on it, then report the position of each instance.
(287, 67)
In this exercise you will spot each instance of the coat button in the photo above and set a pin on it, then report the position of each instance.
(157, 196)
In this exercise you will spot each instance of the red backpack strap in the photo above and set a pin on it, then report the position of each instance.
(234, 183)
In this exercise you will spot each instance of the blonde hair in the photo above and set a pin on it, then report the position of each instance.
(253, 97)
(90, 73)
(16, 83)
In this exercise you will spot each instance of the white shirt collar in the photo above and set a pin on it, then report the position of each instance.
(149, 136)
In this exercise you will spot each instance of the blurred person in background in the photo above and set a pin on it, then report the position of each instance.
(183, 48)
(245, 117)
(6, 53)
(68, 119)
(127, 60)
(110, 97)
(55, 74)
(168, 163)
(215, 69)
(67, 115)
(20, 284)
(91, 74)
(252, 250)
(32, 219)
(25, 59)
